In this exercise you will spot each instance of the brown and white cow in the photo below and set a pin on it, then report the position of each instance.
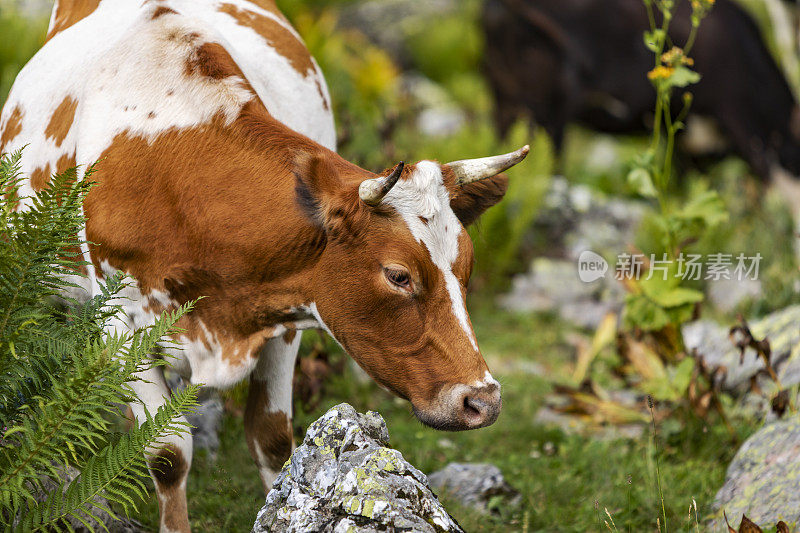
(218, 178)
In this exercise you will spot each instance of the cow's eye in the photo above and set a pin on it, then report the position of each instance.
(398, 277)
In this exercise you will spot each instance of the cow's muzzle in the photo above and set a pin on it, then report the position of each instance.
(462, 407)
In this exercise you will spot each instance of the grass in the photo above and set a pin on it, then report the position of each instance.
(567, 481)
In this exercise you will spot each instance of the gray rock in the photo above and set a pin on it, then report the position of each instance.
(345, 478)
(207, 418)
(710, 341)
(474, 485)
(763, 481)
(574, 218)
(438, 114)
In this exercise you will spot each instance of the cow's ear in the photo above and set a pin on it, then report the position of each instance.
(471, 200)
(317, 183)
(323, 196)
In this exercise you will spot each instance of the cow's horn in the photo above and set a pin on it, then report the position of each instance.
(469, 170)
(373, 190)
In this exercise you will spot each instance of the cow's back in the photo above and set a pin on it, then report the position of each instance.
(118, 66)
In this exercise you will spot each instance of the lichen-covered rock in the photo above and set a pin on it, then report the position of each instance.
(710, 341)
(345, 478)
(763, 481)
(474, 485)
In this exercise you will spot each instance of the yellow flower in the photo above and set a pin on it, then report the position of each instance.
(675, 56)
(660, 73)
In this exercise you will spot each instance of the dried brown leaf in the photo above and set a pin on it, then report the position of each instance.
(748, 526)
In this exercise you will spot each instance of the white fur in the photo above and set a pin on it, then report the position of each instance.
(487, 381)
(276, 369)
(423, 194)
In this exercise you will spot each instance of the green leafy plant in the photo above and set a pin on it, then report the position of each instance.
(62, 374)
(661, 301)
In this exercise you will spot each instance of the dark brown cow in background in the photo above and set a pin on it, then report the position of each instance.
(585, 60)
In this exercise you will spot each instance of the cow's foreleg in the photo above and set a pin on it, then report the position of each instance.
(268, 416)
(169, 463)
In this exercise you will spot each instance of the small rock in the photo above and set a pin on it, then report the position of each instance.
(344, 477)
(763, 481)
(439, 115)
(475, 485)
(574, 218)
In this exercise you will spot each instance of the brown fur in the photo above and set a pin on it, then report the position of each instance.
(169, 469)
(213, 61)
(40, 177)
(12, 128)
(284, 42)
(68, 12)
(152, 220)
(161, 11)
(61, 121)
(289, 336)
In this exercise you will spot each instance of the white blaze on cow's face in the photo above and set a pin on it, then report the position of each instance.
(393, 285)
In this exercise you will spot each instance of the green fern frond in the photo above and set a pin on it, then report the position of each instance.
(63, 372)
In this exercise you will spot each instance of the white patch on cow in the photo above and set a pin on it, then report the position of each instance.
(423, 194)
(52, 22)
(127, 73)
(487, 381)
(312, 308)
(276, 369)
(292, 98)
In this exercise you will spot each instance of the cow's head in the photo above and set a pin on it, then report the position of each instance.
(391, 283)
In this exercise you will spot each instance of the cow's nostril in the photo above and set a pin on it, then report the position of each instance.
(474, 407)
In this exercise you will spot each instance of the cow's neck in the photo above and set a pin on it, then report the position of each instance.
(222, 221)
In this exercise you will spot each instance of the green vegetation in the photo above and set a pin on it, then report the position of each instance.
(20, 38)
(63, 378)
(560, 475)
